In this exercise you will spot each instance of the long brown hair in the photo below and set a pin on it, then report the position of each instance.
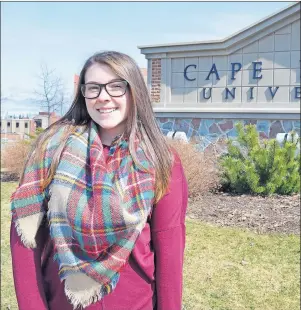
(140, 122)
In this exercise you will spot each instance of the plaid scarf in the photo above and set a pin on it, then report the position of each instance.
(96, 210)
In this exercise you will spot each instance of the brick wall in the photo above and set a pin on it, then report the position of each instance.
(156, 80)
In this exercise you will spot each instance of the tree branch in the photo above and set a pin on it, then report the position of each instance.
(50, 93)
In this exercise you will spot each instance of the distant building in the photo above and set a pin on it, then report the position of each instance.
(75, 82)
(13, 129)
(42, 120)
(17, 125)
(19, 128)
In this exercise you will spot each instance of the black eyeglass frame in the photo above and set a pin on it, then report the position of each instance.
(101, 86)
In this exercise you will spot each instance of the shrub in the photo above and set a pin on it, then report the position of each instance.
(14, 154)
(260, 167)
(199, 167)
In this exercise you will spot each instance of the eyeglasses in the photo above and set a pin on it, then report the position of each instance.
(114, 89)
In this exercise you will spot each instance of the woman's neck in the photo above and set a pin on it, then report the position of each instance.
(108, 135)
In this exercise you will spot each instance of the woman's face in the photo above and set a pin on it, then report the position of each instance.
(110, 113)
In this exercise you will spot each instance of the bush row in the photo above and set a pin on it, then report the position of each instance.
(249, 165)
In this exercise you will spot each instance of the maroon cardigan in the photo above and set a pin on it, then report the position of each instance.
(152, 278)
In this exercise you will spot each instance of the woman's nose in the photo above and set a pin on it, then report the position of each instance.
(103, 95)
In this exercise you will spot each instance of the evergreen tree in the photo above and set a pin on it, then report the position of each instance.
(252, 166)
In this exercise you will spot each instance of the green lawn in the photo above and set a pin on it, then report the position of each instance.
(225, 268)
(232, 269)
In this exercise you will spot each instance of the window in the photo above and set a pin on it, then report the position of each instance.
(26, 125)
(17, 124)
(8, 124)
(38, 123)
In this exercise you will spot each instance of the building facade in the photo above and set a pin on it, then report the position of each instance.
(19, 128)
(16, 125)
(44, 120)
(253, 76)
(14, 129)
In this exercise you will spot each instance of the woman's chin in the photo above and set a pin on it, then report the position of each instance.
(112, 126)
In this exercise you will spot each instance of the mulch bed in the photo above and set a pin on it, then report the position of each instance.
(274, 214)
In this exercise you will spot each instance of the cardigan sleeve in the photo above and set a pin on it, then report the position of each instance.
(27, 273)
(168, 237)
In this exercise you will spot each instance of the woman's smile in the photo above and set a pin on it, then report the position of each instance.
(107, 110)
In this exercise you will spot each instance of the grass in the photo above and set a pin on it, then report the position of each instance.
(8, 298)
(233, 269)
(225, 268)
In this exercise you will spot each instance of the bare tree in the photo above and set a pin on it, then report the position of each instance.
(63, 101)
(50, 93)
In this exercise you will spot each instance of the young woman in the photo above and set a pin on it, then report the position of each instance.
(98, 219)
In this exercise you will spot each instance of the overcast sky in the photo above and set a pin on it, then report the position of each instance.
(63, 35)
